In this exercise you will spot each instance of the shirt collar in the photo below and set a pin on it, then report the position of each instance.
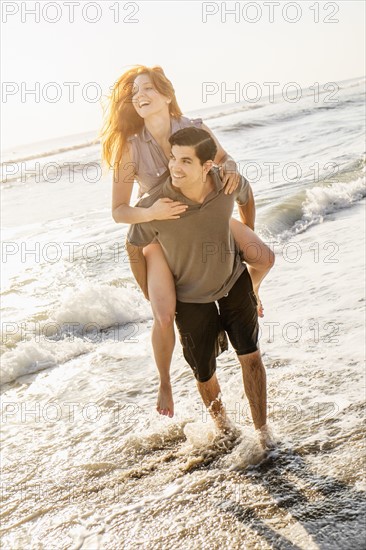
(145, 134)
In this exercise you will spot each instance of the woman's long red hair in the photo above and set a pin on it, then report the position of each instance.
(120, 117)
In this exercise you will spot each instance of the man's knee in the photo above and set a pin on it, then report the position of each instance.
(205, 381)
(251, 360)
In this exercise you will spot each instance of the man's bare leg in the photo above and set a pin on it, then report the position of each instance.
(210, 392)
(255, 386)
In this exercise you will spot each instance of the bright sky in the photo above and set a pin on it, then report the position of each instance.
(195, 42)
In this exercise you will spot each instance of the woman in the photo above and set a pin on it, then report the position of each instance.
(142, 114)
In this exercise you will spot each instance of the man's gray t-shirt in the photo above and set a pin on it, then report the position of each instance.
(199, 247)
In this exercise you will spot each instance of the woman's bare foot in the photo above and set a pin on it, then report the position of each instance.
(165, 403)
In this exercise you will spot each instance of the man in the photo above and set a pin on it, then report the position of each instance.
(207, 269)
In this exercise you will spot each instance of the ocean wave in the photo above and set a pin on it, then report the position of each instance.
(278, 98)
(242, 126)
(311, 207)
(352, 82)
(291, 115)
(35, 356)
(101, 304)
(49, 153)
(83, 318)
(229, 110)
(89, 308)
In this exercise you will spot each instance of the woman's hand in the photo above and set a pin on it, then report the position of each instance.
(230, 176)
(166, 209)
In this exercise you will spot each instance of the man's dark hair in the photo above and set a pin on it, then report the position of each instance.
(203, 144)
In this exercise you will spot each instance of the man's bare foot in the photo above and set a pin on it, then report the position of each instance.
(227, 437)
(266, 438)
(225, 427)
(165, 404)
(231, 432)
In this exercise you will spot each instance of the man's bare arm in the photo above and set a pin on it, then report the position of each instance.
(247, 211)
(138, 266)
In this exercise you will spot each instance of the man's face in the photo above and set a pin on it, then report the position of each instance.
(185, 167)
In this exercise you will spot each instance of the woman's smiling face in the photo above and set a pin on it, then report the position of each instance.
(146, 99)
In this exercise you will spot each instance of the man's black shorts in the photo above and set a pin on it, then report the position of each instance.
(200, 327)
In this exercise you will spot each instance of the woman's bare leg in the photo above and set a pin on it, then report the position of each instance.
(257, 255)
(163, 299)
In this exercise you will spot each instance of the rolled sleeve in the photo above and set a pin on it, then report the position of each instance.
(141, 234)
(242, 191)
(197, 122)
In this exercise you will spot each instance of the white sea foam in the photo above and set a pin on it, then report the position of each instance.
(34, 356)
(73, 328)
(297, 214)
(321, 201)
(101, 305)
